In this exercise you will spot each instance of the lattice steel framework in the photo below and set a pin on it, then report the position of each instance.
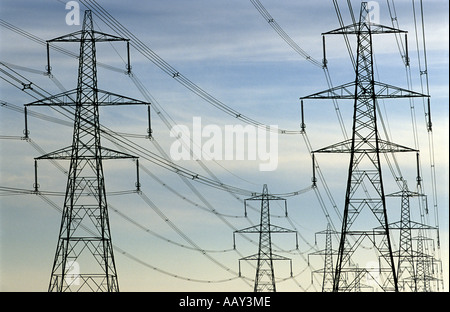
(406, 262)
(415, 266)
(84, 259)
(365, 190)
(265, 277)
(328, 270)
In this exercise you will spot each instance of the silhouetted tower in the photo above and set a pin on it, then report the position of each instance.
(423, 276)
(328, 267)
(408, 257)
(365, 188)
(265, 277)
(427, 266)
(406, 271)
(328, 270)
(84, 259)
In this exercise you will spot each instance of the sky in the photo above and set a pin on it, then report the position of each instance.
(230, 51)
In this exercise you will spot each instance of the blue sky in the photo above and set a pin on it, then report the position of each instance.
(230, 51)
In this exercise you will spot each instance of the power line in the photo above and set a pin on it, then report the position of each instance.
(262, 10)
(111, 134)
(295, 193)
(109, 20)
(123, 135)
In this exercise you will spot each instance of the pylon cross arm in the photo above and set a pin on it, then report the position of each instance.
(66, 154)
(69, 98)
(356, 29)
(365, 147)
(258, 257)
(381, 91)
(78, 36)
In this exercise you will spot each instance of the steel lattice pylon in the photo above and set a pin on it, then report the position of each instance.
(415, 268)
(406, 266)
(84, 259)
(365, 190)
(407, 256)
(327, 253)
(265, 277)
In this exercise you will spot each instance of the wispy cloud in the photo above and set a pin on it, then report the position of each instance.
(229, 50)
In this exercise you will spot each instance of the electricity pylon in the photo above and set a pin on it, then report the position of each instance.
(406, 268)
(265, 277)
(327, 271)
(365, 189)
(84, 259)
(425, 269)
(414, 272)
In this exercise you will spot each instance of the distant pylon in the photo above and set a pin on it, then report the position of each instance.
(265, 276)
(407, 256)
(406, 271)
(424, 265)
(84, 259)
(327, 271)
(365, 189)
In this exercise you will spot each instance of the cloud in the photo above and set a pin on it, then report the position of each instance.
(229, 50)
